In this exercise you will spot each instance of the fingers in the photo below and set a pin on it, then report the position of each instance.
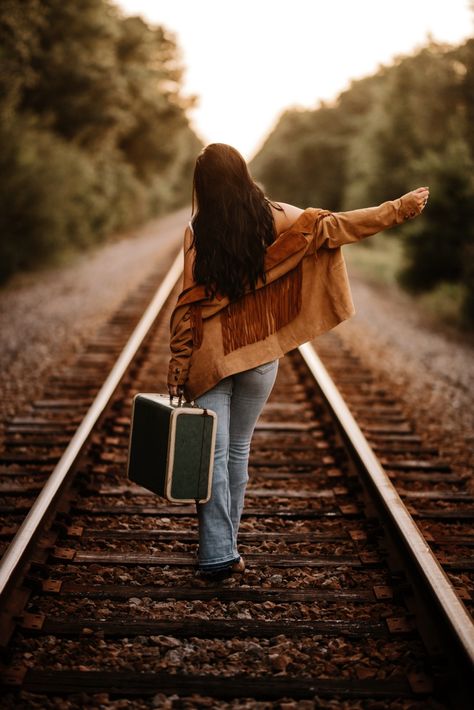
(422, 194)
(415, 202)
(420, 197)
(175, 390)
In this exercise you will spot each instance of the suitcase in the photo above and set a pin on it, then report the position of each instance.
(171, 448)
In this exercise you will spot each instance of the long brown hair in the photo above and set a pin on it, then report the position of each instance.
(232, 223)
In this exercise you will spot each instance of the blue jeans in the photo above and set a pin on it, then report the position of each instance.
(237, 401)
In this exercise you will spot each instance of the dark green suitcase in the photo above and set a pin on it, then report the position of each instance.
(171, 448)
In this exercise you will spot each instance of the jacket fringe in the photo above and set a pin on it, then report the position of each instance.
(262, 312)
(196, 326)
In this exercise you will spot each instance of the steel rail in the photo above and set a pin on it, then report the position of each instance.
(453, 612)
(15, 555)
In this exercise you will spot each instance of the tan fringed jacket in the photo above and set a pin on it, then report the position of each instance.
(306, 293)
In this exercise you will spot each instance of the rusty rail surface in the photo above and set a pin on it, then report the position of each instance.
(448, 609)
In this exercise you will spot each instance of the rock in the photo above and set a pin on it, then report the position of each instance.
(173, 658)
(166, 641)
(276, 579)
(279, 661)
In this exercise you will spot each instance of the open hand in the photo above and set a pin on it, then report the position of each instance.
(414, 202)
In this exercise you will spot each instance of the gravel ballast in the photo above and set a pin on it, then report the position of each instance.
(46, 318)
(428, 368)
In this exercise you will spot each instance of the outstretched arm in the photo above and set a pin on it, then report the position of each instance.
(338, 228)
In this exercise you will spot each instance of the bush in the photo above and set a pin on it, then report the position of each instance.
(93, 128)
(439, 245)
(47, 197)
(410, 124)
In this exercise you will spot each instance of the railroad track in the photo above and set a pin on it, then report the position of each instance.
(345, 600)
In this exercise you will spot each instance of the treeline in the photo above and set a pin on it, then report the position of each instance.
(93, 127)
(410, 124)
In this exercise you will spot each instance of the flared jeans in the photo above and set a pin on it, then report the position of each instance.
(238, 401)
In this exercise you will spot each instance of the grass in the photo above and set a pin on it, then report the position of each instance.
(378, 261)
(444, 302)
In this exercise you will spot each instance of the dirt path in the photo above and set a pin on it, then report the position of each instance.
(45, 318)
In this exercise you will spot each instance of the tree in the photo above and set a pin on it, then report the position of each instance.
(440, 247)
(303, 161)
(411, 123)
(20, 25)
(94, 125)
(149, 64)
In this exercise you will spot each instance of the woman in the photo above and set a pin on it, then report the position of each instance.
(260, 278)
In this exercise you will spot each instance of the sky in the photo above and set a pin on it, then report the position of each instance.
(248, 61)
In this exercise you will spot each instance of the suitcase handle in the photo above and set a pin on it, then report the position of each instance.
(181, 401)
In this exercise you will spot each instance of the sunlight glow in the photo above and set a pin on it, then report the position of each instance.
(248, 61)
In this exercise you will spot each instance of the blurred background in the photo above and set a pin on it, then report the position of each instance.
(104, 107)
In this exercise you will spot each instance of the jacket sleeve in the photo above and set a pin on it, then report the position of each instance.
(338, 228)
(181, 346)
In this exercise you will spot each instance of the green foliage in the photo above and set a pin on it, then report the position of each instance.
(35, 170)
(410, 124)
(439, 247)
(20, 24)
(465, 56)
(412, 110)
(78, 91)
(148, 59)
(312, 172)
(93, 123)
